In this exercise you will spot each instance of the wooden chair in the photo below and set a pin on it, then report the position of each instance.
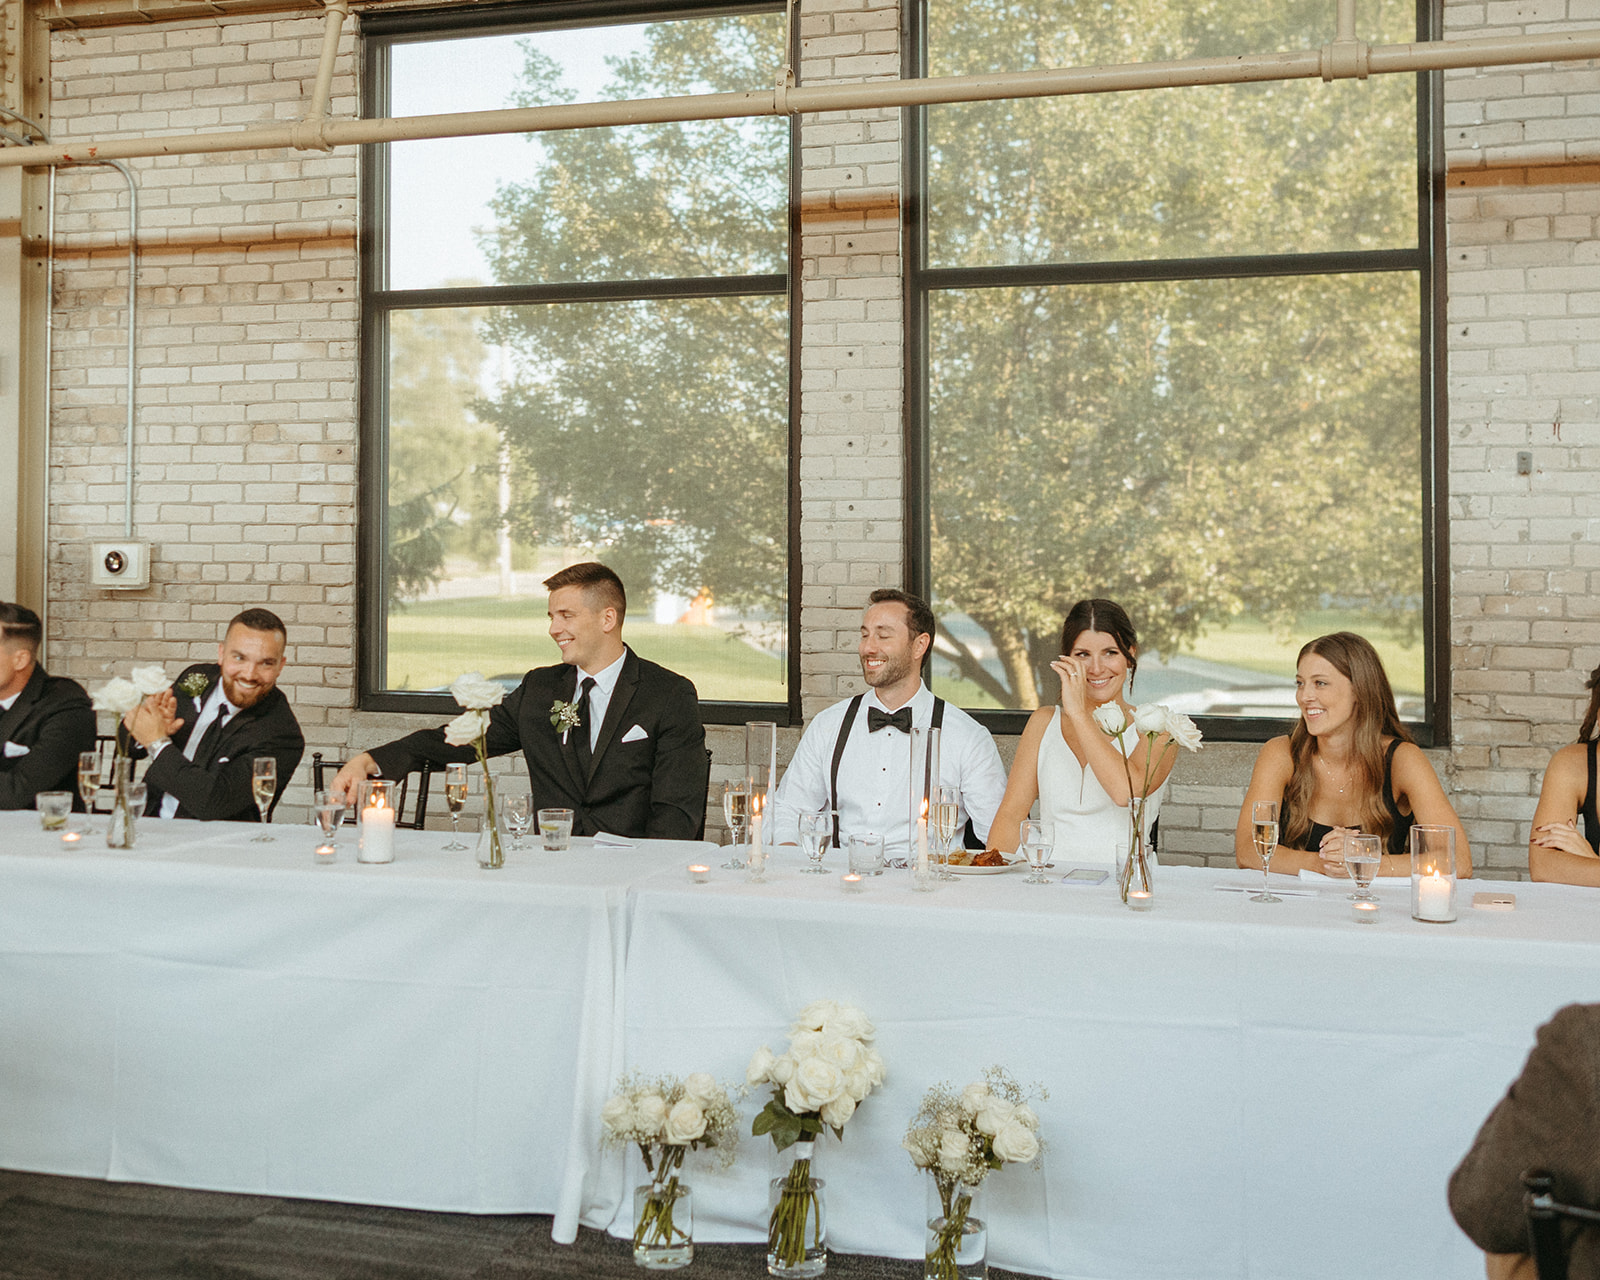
(1544, 1215)
(419, 813)
(106, 745)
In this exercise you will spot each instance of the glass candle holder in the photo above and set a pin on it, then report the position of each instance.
(375, 819)
(1433, 874)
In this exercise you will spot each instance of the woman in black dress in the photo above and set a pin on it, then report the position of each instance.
(1558, 849)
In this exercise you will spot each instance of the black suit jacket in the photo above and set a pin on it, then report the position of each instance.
(654, 785)
(54, 719)
(223, 792)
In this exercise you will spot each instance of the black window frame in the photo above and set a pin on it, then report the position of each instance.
(381, 31)
(1427, 259)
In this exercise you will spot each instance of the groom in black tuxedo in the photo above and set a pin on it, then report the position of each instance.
(45, 720)
(634, 762)
(204, 734)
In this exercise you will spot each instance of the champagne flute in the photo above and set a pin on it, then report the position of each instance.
(88, 783)
(1362, 856)
(264, 784)
(519, 817)
(327, 812)
(735, 812)
(943, 814)
(1037, 846)
(455, 796)
(1264, 831)
(815, 828)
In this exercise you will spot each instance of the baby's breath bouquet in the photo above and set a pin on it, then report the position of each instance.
(961, 1138)
(666, 1118)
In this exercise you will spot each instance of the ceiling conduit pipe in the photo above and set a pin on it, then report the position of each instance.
(307, 134)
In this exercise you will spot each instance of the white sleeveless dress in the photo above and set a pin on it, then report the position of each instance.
(1086, 825)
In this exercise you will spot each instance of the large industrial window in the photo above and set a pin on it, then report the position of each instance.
(1174, 347)
(577, 348)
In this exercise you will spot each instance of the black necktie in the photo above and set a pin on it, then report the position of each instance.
(900, 719)
(582, 745)
(206, 752)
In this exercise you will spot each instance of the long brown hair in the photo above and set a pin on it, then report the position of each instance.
(1375, 717)
(1592, 684)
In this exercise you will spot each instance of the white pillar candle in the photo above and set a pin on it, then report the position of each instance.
(377, 834)
(922, 841)
(1433, 897)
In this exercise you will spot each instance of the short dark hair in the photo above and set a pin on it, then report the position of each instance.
(1109, 618)
(919, 617)
(259, 620)
(596, 580)
(20, 625)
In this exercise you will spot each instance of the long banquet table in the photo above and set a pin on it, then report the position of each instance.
(1237, 1089)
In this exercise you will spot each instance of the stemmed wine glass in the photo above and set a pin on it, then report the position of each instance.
(327, 811)
(735, 812)
(943, 811)
(88, 784)
(1362, 854)
(264, 783)
(1036, 845)
(815, 828)
(1264, 831)
(519, 817)
(455, 797)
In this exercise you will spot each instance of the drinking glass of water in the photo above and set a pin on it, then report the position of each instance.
(519, 817)
(815, 828)
(555, 829)
(1362, 856)
(1036, 846)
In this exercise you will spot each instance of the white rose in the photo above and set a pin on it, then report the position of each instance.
(994, 1115)
(1108, 715)
(1026, 1117)
(466, 728)
(804, 1044)
(782, 1069)
(858, 1084)
(842, 1051)
(815, 1081)
(920, 1155)
(1015, 1143)
(1150, 718)
(685, 1122)
(835, 1111)
(847, 1020)
(815, 1015)
(617, 1114)
(760, 1069)
(702, 1087)
(973, 1097)
(148, 680)
(1183, 730)
(118, 696)
(476, 693)
(650, 1113)
(953, 1151)
(875, 1069)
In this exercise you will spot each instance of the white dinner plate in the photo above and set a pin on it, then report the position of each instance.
(986, 871)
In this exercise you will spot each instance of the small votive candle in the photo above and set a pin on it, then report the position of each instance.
(1364, 912)
(699, 872)
(1140, 900)
(326, 855)
(71, 837)
(850, 882)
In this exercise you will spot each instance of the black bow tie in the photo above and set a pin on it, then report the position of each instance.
(900, 719)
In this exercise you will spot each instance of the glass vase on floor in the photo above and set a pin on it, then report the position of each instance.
(663, 1224)
(797, 1231)
(120, 829)
(958, 1239)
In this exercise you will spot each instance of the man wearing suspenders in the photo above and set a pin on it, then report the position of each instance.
(855, 757)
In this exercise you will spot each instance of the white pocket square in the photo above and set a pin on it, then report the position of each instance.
(635, 734)
(16, 749)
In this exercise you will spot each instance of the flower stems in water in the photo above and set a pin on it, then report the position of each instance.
(786, 1232)
(496, 857)
(942, 1264)
(655, 1227)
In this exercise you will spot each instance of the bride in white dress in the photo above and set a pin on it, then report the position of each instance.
(1072, 767)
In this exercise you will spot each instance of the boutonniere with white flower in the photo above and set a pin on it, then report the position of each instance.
(564, 717)
(194, 685)
(478, 695)
(666, 1118)
(1153, 721)
(961, 1138)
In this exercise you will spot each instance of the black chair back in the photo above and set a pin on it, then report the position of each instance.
(1544, 1213)
(324, 771)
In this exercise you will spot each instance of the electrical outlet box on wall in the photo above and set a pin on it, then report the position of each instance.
(119, 566)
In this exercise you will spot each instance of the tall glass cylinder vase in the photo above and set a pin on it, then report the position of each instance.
(924, 778)
(121, 831)
(797, 1231)
(958, 1238)
(760, 776)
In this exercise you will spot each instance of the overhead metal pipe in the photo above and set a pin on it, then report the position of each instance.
(334, 15)
(1338, 60)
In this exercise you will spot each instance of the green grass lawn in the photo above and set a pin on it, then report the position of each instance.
(432, 643)
(1252, 645)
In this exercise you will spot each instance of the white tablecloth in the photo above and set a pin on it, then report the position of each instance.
(1237, 1089)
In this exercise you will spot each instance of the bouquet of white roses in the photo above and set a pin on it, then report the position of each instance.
(961, 1138)
(478, 695)
(1154, 720)
(828, 1071)
(666, 1118)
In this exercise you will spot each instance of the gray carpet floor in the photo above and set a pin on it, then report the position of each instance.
(55, 1228)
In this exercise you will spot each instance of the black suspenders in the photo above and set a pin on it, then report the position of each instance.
(850, 714)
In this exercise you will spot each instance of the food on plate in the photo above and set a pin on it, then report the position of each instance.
(990, 858)
(960, 858)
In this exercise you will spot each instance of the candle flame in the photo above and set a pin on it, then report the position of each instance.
(924, 813)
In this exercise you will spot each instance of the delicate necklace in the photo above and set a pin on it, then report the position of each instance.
(1333, 781)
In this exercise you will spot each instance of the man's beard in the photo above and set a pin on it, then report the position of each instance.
(242, 698)
(892, 671)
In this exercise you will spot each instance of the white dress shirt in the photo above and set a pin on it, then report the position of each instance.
(5, 703)
(875, 773)
(605, 684)
(209, 711)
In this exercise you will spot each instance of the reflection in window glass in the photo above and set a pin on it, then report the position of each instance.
(1234, 461)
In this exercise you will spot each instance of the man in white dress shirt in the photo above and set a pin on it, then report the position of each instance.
(855, 757)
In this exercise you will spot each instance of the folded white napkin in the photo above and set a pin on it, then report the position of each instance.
(1317, 875)
(605, 840)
